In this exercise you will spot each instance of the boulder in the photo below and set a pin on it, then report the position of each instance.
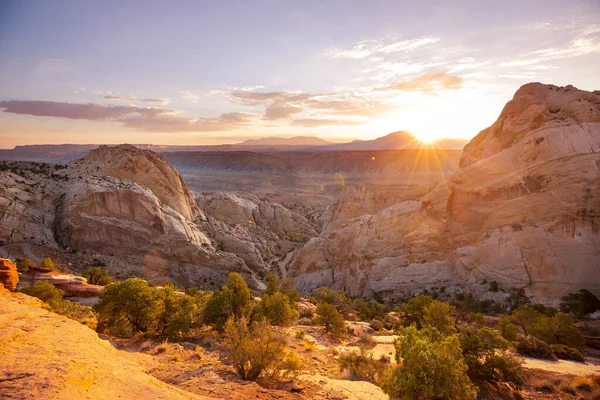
(9, 277)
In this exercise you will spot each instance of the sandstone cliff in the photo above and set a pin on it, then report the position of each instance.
(524, 210)
(47, 356)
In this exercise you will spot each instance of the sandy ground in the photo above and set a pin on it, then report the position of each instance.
(564, 367)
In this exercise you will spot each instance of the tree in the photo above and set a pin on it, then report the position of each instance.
(257, 350)
(47, 263)
(233, 300)
(277, 309)
(438, 314)
(526, 318)
(46, 292)
(517, 298)
(273, 284)
(177, 312)
(430, 366)
(414, 310)
(482, 351)
(332, 320)
(580, 304)
(97, 276)
(507, 329)
(23, 264)
(129, 307)
(560, 329)
(287, 288)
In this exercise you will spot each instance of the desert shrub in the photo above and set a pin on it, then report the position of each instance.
(177, 311)
(583, 384)
(376, 324)
(580, 304)
(517, 298)
(332, 320)
(257, 350)
(46, 292)
(273, 284)
(526, 318)
(361, 366)
(533, 347)
(338, 299)
(438, 314)
(507, 329)
(97, 276)
(300, 334)
(476, 318)
(23, 264)
(484, 358)
(368, 311)
(567, 353)
(560, 329)
(364, 339)
(277, 309)
(432, 367)
(414, 310)
(129, 307)
(309, 346)
(287, 288)
(566, 388)
(79, 312)
(47, 263)
(233, 300)
(545, 387)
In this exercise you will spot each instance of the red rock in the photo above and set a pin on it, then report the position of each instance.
(9, 276)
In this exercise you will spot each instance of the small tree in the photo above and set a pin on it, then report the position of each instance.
(526, 318)
(46, 292)
(177, 312)
(332, 320)
(414, 310)
(97, 276)
(560, 329)
(507, 329)
(233, 300)
(431, 366)
(362, 366)
(273, 284)
(257, 350)
(439, 315)
(47, 263)
(580, 304)
(517, 298)
(277, 309)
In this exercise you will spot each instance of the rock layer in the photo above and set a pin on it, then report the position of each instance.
(9, 277)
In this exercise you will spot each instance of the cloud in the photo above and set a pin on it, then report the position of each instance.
(149, 100)
(316, 122)
(147, 119)
(48, 66)
(369, 48)
(191, 97)
(427, 83)
(275, 111)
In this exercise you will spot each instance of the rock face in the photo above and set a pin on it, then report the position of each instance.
(47, 356)
(9, 277)
(523, 210)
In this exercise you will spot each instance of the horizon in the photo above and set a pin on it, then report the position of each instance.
(196, 74)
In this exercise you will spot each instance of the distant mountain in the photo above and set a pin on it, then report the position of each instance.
(281, 141)
(396, 141)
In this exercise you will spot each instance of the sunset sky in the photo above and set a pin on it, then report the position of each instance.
(209, 72)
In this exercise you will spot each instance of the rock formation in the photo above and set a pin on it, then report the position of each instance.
(74, 287)
(47, 356)
(524, 210)
(9, 277)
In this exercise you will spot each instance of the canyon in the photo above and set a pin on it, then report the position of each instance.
(520, 205)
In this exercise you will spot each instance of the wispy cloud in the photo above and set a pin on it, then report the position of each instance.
(427, 83)
(147, 119)
(276, 111)
(149, 100)
(49, 66)
(370, 48)
(316, 122)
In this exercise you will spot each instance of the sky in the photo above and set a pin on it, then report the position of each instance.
(211, 72)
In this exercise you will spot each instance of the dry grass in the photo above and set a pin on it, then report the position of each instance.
(583, 384)
(199, 352)
(310, 346)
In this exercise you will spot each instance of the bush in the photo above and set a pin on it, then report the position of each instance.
(526, 318)
(583, 384)
(47, 263)
(494, 286)
(376, 324)
(438, 315)
(79, 312)
(277, 309)
(273, 284)
(560, 329)
(338, 299)
(533, 347)
(332, 320)
(46, 292)
(361, 366)
(368, 311)
(23, 264)
(257, 350)
(484, 358)
(507, 329)
(580, 304)
(233, 300)
(309, 346)
(432, 367)
(176, 317)
(567, 353)
(517, 298)
(414, 310)
(97, 276)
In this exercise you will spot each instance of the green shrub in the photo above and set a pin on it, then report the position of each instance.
(233, 300)
(368, 311)
(97, 276)
(516, 299)
(273, 284)
(361, 366)
(23, 264)
(277, 309)
(580, 304)
(79, 312)
(567, 353)
(47, 263)
(177, 314)
(332, 320)
(338, 299)
(414, 310)
(526, 318)
(533, 347)
(432, 367)
(560, 329)
(507, 329)
(46, 292)
(438, 314)
(257, 350)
